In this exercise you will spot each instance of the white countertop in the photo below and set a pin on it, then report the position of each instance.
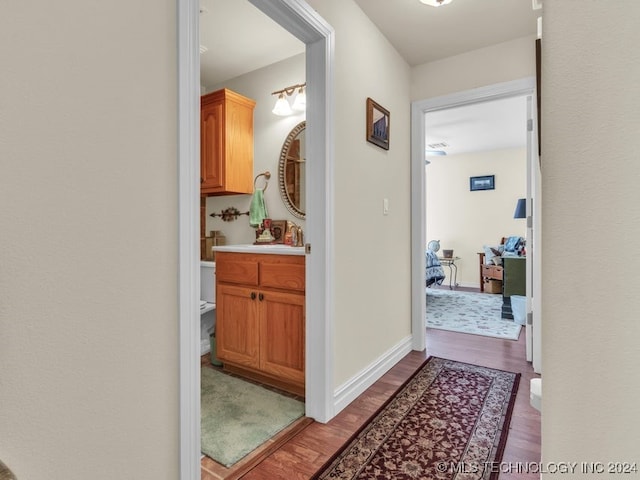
(276, 249)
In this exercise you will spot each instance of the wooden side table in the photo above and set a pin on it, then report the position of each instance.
(488, 272)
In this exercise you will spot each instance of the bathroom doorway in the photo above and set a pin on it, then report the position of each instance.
(307, 26)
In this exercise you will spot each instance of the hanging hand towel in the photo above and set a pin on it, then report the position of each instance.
(257, 210)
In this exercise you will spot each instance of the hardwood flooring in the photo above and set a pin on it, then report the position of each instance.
(306, 452)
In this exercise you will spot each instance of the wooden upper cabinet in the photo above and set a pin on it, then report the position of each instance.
(226, 143)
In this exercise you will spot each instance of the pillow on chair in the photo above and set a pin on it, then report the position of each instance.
(493, 254)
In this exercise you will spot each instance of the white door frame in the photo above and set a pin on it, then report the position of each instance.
(297, 17)
(419, 108)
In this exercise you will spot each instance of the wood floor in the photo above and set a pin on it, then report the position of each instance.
(306, 452)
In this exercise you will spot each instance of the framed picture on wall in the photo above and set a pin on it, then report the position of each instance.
(486, 182)
(378, 123)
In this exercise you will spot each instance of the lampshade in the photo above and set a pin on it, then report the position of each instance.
(282, 106)
(521, 209)
(300, 103)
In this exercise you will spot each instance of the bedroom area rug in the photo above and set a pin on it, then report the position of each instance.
(448, 418)
(469, 312)
(238, 416)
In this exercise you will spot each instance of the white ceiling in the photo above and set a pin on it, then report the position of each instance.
(423, 34)
(479, 127)
(240, 39)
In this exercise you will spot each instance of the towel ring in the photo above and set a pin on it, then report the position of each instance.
(266, 175)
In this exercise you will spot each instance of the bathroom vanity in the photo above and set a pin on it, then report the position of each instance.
(260, 296)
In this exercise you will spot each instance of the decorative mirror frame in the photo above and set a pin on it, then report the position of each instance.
(293, 134)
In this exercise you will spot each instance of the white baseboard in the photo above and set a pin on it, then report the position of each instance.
(350, 390)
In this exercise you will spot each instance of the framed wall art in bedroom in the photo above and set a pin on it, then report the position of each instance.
(486, 182)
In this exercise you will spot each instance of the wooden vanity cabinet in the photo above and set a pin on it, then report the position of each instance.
(260, 320)
(226, 143)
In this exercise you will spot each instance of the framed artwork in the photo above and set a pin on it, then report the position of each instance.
(378, 123)
(486, 182)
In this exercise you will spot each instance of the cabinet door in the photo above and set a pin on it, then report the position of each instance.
(282, 335)
(237, 325)
(212, 146)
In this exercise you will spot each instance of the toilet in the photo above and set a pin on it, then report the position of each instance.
(207, 304)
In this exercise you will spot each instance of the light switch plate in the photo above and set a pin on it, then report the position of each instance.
(385, 206)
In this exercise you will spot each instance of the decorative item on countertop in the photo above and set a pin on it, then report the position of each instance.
(265, 236)
(278, 230)
(288, 236)
(229, 214)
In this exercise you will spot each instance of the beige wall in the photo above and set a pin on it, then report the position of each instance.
(495, 64)
(88, 269)
(88, 316)
(270, 132)
(465, 221)
(591, 228)
(372, 313)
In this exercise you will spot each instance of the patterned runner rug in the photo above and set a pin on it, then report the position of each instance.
(469, 312)
(449, 420)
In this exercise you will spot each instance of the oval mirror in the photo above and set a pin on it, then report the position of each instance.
(291, 171)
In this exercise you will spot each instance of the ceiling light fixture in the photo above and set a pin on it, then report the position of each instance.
(435, 3)
(282, 106)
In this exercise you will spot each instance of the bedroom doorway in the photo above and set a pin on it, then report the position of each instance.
(524, 88)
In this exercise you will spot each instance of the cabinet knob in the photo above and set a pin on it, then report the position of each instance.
(253, 295)
(261, 297)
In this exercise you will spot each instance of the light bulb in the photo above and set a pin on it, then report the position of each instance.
(300, 103)
(282, 107)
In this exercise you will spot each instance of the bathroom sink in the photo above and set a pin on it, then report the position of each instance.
(277, 249)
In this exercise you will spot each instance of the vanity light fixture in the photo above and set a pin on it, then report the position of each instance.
(300, 103)
(282, 106)
(435, 3)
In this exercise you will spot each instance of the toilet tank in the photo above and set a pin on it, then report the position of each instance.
(208, 281)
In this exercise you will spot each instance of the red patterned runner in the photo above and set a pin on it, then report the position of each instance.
(448, 421)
